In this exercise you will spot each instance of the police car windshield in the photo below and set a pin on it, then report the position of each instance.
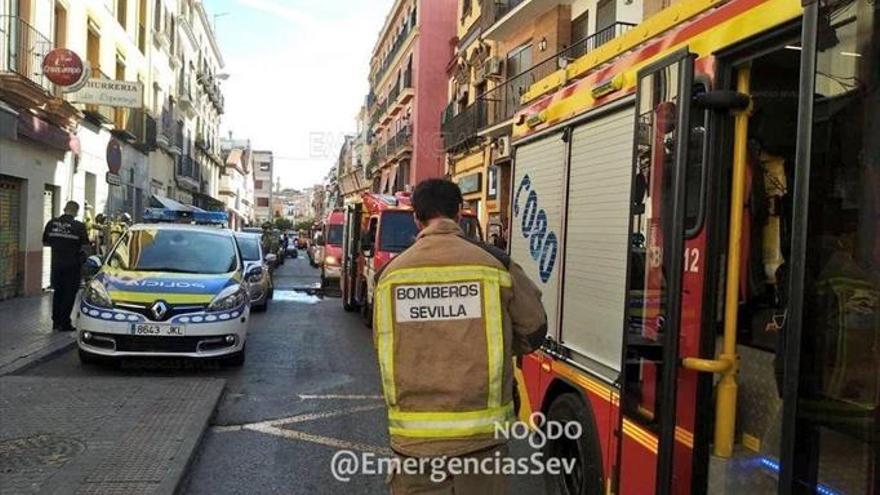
(175, 251)
(397, 232)
(249, 246)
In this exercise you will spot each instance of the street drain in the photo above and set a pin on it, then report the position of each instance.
(19, 454)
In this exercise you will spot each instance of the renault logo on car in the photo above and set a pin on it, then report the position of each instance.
(159, 309)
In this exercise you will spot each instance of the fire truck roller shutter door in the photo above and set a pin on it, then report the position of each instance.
(596, 254)
(536, 217)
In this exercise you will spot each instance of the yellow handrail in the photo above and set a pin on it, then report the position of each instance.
(725, 406)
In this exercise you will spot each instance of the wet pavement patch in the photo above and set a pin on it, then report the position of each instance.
(303, 296)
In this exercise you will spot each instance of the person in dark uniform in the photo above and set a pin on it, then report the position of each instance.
(67, 237)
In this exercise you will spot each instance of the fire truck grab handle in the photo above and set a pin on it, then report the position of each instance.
(707, 365)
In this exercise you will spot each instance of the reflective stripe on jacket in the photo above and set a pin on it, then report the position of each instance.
(449, 316)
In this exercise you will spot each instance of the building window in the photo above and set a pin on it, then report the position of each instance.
(258, 184)
(93, 48)
(122, 13)
(263, 202)
(465, 9)
(142, 26)
(157, 16)
(580, 27)
(606, 15)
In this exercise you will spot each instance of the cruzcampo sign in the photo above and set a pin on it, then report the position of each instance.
(63, 67)
(110, 93)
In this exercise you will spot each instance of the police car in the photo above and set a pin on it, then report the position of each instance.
(168, 289)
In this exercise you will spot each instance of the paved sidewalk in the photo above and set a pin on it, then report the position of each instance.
(26, 333)
(101, 435)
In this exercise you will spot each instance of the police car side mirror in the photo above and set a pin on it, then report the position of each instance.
(92, 265)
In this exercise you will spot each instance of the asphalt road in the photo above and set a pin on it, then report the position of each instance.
(310, 387)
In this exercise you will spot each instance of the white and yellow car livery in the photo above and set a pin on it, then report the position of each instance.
(167, 290)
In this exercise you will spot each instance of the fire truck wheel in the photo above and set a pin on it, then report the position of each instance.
(348, 302)
(586, 477)
(367, 314)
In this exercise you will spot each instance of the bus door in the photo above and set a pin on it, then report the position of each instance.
(649, 450)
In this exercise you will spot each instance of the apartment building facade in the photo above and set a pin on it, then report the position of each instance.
(55, 148)
(502, 48)
(263, 177)
(406, 96)
(236, 186)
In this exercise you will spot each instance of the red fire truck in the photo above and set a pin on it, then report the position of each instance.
(331, 242)
(698, 201)
(376, 230)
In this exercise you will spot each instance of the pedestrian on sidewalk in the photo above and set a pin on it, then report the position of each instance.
(67, 237)
(450, 314)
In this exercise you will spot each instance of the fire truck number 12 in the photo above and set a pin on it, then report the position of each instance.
(692, 260)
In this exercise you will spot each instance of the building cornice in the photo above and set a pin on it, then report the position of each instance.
(383, 33)
(203, 15)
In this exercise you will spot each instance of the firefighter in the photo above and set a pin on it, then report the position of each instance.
(67, 237)
(450, 314)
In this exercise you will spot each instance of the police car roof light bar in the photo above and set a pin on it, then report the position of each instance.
(196, 216)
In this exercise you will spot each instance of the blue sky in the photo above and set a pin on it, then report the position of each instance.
(297, 76)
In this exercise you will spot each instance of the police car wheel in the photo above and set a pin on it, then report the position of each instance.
(586, 477)
(87, 358)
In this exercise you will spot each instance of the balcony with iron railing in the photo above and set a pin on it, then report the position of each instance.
(504, 100)
(188, 169)
(22, 48)
(167, 127)
(400, 142)
(185, 91)
(373, 163)
(400, 94)
(460, 129)
(398, 43)
(136, 126)
(498, 105)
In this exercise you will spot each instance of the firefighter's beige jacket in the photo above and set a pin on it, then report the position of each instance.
(449, 316)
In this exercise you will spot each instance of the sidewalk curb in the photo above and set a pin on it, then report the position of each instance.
(55, 348)
(178, 475)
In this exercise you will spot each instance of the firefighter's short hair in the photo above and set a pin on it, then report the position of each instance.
(434, 198)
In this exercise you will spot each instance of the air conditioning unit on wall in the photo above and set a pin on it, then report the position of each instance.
(492, 67)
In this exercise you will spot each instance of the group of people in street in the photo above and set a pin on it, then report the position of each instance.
(427, 354)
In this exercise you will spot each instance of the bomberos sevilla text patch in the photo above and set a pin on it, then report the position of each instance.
(433, 302)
